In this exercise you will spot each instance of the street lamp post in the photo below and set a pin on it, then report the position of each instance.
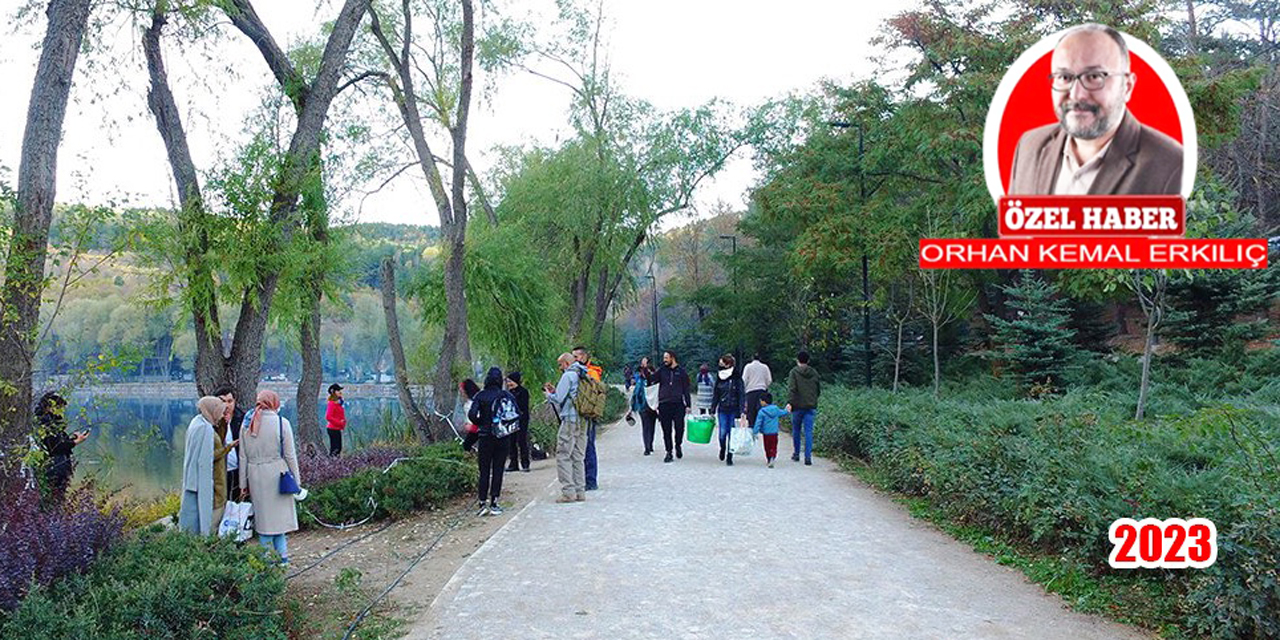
(866, 278)
(733, 277)
(654, 283)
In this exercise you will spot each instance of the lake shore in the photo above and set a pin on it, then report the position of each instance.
(178, 390)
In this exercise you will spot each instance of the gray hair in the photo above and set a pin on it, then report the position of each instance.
(566, 358)
(1102, 28)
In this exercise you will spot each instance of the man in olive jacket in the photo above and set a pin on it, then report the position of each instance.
(803, 389)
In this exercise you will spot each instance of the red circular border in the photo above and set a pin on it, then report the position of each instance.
(1030, 105)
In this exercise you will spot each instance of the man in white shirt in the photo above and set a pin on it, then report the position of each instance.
(756, 379)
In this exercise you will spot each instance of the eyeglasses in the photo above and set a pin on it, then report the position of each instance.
(1091, 80)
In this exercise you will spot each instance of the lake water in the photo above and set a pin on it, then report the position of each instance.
(135, 444)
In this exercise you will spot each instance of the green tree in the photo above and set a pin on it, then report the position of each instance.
(1037, 340)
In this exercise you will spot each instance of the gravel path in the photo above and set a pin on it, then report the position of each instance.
(694, 549)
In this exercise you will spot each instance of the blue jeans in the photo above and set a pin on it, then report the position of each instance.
(726, 421)
(589, 464)
(276, 542)
(802, 420)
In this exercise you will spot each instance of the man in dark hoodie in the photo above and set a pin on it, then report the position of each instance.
(492, 451)
(673, 401)
(803, 389)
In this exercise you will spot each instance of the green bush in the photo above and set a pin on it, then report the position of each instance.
(1052, 475)
(159, 584)
(442, 472)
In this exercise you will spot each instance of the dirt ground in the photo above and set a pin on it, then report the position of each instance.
(381, 557)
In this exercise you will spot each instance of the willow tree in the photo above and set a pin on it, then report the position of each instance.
(293, 175)
(24, 280)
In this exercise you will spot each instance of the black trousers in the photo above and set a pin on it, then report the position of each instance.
(672, 418)
(233, 485)
(335, 442)
(492, 454)
(648, 426)
(753, 406)
(519, 448)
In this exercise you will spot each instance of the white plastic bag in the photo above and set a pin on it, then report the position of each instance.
(741, 440)
(651, 396)
(237, 521)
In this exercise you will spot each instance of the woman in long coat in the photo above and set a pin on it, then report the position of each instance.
(195, 514)
(266, 452)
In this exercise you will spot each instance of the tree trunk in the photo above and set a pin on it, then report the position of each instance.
(412, 413)
(897, 358)
(937, 368)
(37, 186)
(308, 427)
(454, 347)
(1147, 349)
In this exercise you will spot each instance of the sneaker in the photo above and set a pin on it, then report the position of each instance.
(808, 462)
(648, 452)
(729, 461)
(483, 510)
(495, 509)
(722, 452)
(511, 469)
(668, 458)
(565, 500)
(679, 452)
(770, 463)
(795, 457)
(525, 470)
(582, 497)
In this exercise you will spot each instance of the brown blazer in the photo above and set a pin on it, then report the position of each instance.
(1140, 161)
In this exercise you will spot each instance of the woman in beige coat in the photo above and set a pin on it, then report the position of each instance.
(266, 452)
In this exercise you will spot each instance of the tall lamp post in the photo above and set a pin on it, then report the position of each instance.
(733, 277)
(866, 279)
(654, 283)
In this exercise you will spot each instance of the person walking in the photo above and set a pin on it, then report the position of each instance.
(227, 395)
(590, 466)
(335, 417)
(803, 388)
(756, 378)
(640, 407)
(195, 512)
(726, 404)
(571, 440)
(492, 451)
(222, 449)
(706, 387)
(766, 424)
(519, 439)
(265, 454)
(673, 402)
(51, 431)
(628, 377)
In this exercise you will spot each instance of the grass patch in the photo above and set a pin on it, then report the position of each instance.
(326, 610)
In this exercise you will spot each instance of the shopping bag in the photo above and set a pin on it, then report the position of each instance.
(741, 441)
(651, 396)
(234, 521)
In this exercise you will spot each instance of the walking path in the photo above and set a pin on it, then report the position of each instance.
(693, 549)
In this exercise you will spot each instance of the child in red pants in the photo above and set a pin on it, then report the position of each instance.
(767, 426)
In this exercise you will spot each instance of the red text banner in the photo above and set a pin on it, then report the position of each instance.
(1093, 253)
(1055, 216)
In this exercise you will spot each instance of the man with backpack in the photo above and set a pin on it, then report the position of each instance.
(596, 373)
(494, 411)
(577, 398)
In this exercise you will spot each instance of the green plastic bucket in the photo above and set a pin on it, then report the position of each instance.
(699, 428)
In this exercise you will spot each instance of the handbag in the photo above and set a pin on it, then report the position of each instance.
(288, 484)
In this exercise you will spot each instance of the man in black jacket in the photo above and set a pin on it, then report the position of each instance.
(492, 451)
(233, 433)
(520, 439)
(673, 401)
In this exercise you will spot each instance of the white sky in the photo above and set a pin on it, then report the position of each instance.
(673, 53)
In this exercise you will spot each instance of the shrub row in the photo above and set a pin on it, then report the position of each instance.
(1054, 474)
(437, 474)
(159, 584)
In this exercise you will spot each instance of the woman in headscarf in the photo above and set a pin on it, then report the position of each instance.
(196, 512)
(265, 454)
(221, 447)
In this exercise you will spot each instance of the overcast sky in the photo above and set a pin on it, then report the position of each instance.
(673, 53)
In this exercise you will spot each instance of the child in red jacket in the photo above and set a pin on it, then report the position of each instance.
(335, 417)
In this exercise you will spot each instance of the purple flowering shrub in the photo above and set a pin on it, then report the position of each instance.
(43, 542)
(317, 470)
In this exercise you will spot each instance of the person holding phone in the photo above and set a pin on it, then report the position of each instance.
(51, 424)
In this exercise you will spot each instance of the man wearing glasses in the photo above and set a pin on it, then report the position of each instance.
(1097, 147)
